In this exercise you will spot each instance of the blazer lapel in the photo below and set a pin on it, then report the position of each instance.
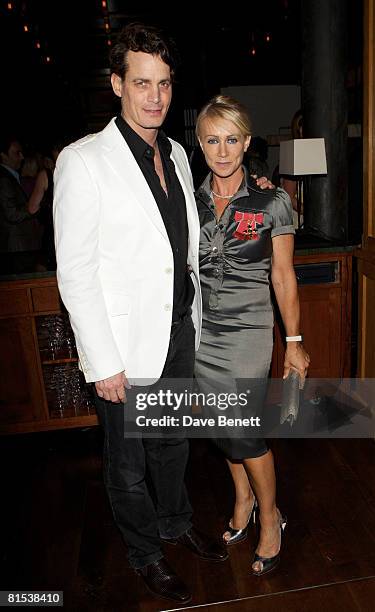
(122, 162)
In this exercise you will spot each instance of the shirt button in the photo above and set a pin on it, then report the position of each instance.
(168, 270)
(168, 307)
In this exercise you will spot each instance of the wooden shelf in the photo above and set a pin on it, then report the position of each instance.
(48, 424)
(70, 415)
(59, 361)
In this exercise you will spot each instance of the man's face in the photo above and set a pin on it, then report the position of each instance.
(145, 92)
(14, 157)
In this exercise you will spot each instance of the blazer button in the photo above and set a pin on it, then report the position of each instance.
(168, 307)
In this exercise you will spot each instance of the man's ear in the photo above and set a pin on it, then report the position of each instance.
(116, 83)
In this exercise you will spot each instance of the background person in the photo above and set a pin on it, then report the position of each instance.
(20, 230)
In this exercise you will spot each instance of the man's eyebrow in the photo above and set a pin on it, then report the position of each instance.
(167, 79)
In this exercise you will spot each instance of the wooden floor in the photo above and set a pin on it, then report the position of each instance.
(57, 531)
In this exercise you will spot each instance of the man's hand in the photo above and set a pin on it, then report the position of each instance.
(112, 389)
(263, 182)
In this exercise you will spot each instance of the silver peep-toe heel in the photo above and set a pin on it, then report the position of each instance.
(238, 535)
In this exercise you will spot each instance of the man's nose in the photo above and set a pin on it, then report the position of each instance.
(154, 93)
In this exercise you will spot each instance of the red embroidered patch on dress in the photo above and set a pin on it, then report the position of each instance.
(248, 224)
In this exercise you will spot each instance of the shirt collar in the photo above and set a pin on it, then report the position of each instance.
(139, 147)
(13, 172)
(205, 189)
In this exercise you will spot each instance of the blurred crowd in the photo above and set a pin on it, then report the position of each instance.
(26, 195)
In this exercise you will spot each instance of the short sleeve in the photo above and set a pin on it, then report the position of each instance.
(282, 214)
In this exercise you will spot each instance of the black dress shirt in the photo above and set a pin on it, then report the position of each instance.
(172, 207)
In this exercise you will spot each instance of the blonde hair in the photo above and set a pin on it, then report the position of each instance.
(225, 107)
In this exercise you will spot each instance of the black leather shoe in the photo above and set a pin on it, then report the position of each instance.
(201, 544)
(162, 581)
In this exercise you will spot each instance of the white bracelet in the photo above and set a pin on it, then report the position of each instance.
(294, 338)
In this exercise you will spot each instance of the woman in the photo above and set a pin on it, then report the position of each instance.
(243, 230)
(43, 195)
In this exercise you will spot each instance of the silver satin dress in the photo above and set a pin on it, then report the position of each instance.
(235, 265)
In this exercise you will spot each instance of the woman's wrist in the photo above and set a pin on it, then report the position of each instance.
(294, 338)
(292, 346)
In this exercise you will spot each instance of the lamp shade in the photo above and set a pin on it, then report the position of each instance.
(303, 156)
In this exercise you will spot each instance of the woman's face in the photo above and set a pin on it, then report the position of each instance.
(223, 146)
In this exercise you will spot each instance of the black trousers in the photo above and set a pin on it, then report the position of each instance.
(143, 512)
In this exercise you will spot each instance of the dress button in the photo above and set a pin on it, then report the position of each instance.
(168, 270)
(167, 307)
(214, 249)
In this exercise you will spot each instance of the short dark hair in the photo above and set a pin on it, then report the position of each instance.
(140, 37)
(6, 140)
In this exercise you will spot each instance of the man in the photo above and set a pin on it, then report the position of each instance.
(20, 232)
(127, 234)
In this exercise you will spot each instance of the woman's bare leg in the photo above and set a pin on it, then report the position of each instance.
(261, 473)
(244, 497)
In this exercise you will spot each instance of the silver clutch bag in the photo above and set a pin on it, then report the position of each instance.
(290, 398)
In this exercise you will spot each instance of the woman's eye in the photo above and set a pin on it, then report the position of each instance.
(212, 141)
(232, 140)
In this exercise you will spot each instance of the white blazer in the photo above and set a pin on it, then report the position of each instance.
(114, 258)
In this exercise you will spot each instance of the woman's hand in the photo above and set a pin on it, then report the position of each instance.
(263, 182)
(297, 359)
